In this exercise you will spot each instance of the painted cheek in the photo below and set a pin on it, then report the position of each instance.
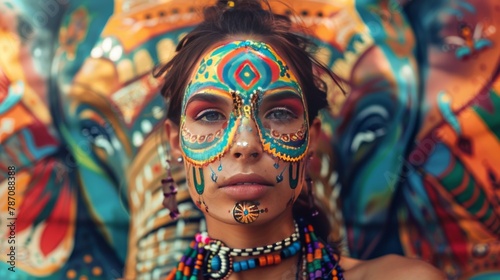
(209, 142)
(284, 143)
(294, 172)
(203, 149)
(198, 179)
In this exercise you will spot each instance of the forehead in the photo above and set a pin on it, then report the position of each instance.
(242, 66)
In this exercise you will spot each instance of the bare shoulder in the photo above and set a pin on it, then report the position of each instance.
(390, 267)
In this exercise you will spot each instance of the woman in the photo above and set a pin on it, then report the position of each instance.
(244, 98)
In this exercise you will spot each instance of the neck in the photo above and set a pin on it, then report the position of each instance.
(257, 235)
(252, 235)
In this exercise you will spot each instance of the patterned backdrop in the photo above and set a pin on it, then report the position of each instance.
(409, 162)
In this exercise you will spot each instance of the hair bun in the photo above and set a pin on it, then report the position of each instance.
(213, 13)
(238, 4)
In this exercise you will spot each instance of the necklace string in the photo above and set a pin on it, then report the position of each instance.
(214, 246)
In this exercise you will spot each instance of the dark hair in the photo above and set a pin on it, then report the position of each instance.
(248, 17)
(245, 17)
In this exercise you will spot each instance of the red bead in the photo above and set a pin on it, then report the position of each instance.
(262, 261)
(270, 259)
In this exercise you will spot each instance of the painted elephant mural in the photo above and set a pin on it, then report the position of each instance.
(409, 163)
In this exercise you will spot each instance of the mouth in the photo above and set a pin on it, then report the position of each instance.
(246, 187)
(246, 180)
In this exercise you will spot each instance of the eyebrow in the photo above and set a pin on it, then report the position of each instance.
(287, 94)
(207, 97)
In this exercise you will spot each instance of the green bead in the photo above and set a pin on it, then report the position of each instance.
(313, 237)
(317, 264)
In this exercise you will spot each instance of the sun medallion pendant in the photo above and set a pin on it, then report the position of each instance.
(247, 212)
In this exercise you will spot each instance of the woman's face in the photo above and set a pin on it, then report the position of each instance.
(244, 134)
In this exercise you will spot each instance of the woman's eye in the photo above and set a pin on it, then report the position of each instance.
(210, 116)
(280, 114)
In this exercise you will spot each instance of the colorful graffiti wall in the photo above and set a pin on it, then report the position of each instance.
(410, 162)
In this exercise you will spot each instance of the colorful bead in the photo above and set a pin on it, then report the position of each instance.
(214, 259)
(236, 252)
(244, 265)
(237, 267)
(216, 263)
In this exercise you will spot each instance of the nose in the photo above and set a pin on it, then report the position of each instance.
(247, 145)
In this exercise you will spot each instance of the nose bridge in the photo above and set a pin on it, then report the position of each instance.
(246, 142)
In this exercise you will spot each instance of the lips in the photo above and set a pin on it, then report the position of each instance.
(242, 180)
(246, 187)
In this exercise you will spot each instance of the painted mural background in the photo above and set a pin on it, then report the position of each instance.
(410, 162)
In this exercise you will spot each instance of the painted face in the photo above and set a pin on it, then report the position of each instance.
(236, 84)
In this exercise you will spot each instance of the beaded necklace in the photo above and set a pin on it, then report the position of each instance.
(216, 246)
(205, 256)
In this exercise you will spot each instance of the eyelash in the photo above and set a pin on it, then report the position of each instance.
(281, 109)
(205, 113)
(220, 117)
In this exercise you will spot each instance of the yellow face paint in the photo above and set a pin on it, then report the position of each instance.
(235, 84)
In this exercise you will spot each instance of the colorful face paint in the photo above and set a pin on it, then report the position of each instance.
(198, 180)
(237, 83)
(246, 212)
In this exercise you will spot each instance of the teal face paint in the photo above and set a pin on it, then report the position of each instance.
(294, 176)
(199, 185)
(237, 83)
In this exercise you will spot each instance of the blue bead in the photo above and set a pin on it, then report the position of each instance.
(236, 267)
(251, 263)
(244, 265)
(216, 263)
(286, 253)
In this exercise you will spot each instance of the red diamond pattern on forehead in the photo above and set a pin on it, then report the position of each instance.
(247, 75)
